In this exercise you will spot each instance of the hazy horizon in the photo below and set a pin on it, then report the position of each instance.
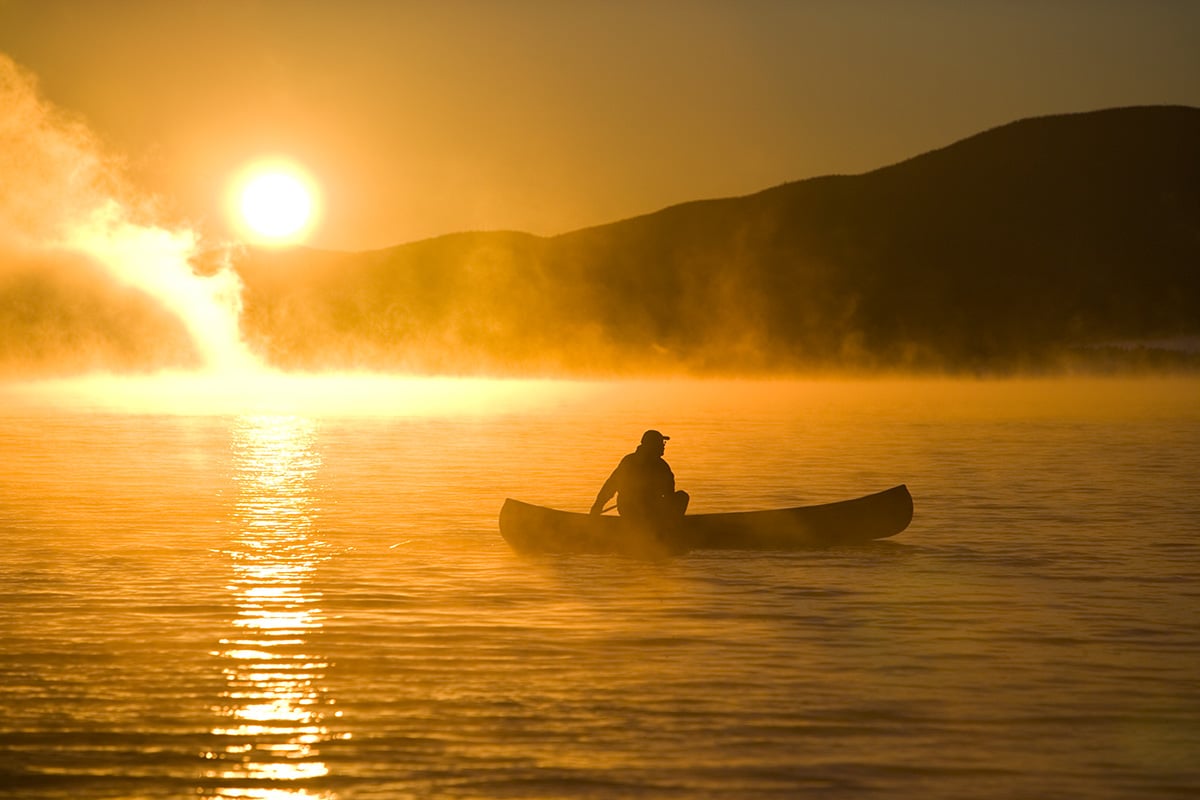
(814, 277)
(145, 145)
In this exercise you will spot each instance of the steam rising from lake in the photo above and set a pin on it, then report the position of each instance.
(68, 217)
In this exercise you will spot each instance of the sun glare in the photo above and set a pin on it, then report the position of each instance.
(275, 204)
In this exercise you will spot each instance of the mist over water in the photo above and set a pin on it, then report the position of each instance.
(68, 216)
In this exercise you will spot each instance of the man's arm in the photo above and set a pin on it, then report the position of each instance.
(607, 490)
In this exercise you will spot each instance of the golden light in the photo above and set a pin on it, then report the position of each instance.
(276, 715)
(275, 203)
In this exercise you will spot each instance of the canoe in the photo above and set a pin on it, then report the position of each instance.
(536, 529)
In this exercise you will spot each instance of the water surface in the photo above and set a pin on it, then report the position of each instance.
(314, 601)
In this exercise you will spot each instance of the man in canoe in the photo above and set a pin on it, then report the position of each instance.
(644, 485)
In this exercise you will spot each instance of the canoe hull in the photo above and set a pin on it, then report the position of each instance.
(530, 528)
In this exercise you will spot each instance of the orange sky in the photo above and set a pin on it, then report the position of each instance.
(422, 118)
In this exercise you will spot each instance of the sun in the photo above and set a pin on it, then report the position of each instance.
(275, 203)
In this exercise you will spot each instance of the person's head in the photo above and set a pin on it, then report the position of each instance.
(654, 441)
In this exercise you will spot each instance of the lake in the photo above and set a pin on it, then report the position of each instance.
(295, 588)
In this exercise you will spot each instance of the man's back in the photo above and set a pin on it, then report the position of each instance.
(644, 481)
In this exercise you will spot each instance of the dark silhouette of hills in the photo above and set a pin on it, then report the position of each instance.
(1055, 239)
(1052, 242)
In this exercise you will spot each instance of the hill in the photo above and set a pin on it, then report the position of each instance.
(1008, 250)
(1044, 243)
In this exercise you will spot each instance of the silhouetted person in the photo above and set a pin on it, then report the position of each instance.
(644, 485)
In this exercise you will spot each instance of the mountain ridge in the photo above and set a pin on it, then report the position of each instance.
(1053, 242)
(1012, 249)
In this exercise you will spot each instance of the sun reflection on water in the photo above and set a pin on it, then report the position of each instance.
(276, 712)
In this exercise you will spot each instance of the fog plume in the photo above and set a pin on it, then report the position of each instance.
(81, 253)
